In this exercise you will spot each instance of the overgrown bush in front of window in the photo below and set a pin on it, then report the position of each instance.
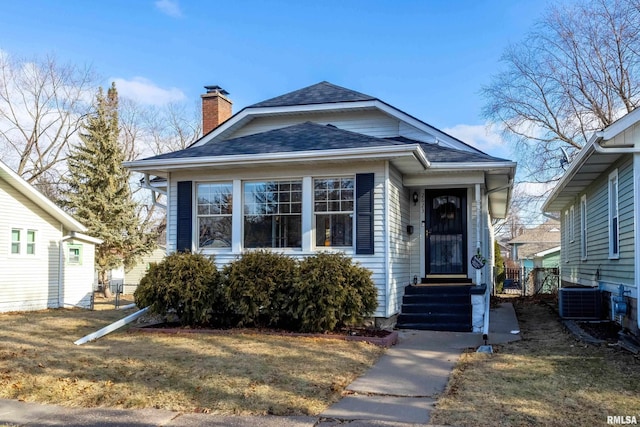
(259, 288)
(333, 293)
(188, 283)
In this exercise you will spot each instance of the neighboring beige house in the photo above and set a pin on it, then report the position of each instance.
(537, 247)
(46, 261)
(133, 276)
(326, 168)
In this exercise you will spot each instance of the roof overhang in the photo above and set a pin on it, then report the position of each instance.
(83, 237)
(600, 152)
(548, 251)
(589, 164)
(407, 158)
(26, 189)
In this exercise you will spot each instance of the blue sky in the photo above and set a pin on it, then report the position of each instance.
(429, 58)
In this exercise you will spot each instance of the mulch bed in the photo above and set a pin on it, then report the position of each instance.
(379, 337)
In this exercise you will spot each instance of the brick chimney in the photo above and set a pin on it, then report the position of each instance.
(216, 108)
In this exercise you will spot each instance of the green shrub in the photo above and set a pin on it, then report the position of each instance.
(259, 288)
(187, 283)
(332, 293)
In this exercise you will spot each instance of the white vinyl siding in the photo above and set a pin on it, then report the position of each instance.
(27, 282)
(399, 253)
(372, 123)
(78, 277)
(375, 263)
(32, 281)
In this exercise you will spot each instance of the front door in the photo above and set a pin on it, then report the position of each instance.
(446, 231)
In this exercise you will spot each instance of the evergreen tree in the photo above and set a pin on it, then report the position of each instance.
(99, 195)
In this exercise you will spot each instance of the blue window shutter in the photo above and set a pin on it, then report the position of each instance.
(185, 217)
(364, 213)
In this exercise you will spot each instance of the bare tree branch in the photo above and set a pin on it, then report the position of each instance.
(576, 72)
(42, 104)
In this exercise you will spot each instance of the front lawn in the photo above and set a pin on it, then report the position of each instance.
(225, 374)
(547, 379)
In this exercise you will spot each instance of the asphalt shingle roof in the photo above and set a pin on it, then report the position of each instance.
(439, 153)
(320, 93)
(311, 136)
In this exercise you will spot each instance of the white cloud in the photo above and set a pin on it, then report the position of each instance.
(169, 7)
(482, 137)
(146, 92)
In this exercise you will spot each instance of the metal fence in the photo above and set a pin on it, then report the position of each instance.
(523, 281)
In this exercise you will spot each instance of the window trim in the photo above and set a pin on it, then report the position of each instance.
(197, 216)
(77, 246)
(32, 244)
(614, 240)
(572, 224)
(16, 242)
(351, 213)
(23, 243)
(244, 214)
(565, 236)
(583, 228)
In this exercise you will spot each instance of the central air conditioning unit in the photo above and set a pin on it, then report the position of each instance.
(580, 303)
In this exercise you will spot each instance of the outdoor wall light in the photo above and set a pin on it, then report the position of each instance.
(415, 197)
(409, 229)
(415, 279)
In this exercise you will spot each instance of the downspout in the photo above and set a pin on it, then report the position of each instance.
(636, 230)
(635, 150)
(478, 227)
(60, 264)
(154, 191)
(487, 294)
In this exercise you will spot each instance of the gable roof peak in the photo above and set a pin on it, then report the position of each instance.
(319, 93)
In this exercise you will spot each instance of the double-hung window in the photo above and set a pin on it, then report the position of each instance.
(333, 211)
(15, 241)
(214, 203)
(273, 214)
(614, 226)
(20, 246)
(572, 225)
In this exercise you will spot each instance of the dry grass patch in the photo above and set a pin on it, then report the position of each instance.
(547, 379)
(225, 374)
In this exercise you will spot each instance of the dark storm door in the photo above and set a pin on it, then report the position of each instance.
(446, 231)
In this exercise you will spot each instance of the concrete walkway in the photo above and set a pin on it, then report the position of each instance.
(404, 385)
(399, 390)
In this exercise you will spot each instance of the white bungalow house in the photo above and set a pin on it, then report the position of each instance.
(326, 168)
(599, 202)
(45, 259)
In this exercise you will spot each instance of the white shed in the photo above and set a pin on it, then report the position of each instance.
(45, 259)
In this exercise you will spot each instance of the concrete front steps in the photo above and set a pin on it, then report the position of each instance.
(437, 307)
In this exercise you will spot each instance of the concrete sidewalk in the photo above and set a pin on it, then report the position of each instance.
(404, 385)
(399, 390)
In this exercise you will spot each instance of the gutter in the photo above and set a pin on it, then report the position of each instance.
(367, 153)
(154, 192)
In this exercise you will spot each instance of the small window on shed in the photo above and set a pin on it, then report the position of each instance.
(15, 241)
(75, 254)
